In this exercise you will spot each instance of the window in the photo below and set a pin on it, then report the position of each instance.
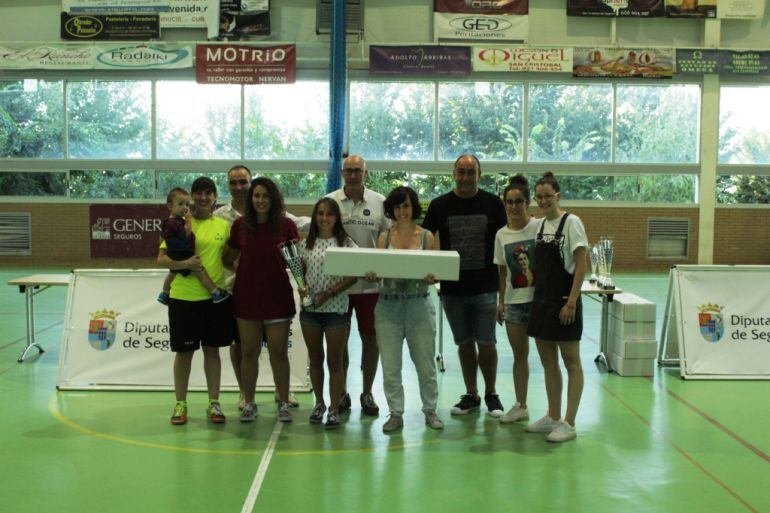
(484, 118)
(287, 121)
(744, 125)
(108, 120)
(106, 184)
(169, 180)
(31, 119)
(570, 123)
(33, 184)
(743, 189)
(198, 121)
(657, 124)
(392, 120)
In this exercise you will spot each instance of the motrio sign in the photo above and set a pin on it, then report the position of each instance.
(245, 64)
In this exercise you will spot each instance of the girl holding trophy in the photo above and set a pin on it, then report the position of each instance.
(324, 307)
(263, 296)
(556, 319)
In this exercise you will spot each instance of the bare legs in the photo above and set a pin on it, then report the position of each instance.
(335, 342)
(549, 356)
(277, 336)
(212, 368)
(471, 361)
(517, 337)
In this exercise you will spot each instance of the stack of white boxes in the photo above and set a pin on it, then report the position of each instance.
(631, 335)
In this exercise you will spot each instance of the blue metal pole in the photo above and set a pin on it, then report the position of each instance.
(337, 95)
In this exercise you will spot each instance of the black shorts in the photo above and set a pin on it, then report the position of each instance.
(544, 321)
(196, 323)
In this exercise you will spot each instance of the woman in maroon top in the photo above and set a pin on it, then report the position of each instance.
(263, 296)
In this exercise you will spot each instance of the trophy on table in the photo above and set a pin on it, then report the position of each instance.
(594, 256)
(290, 252)
(605, 263)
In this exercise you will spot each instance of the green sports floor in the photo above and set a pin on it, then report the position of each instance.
(659, 444)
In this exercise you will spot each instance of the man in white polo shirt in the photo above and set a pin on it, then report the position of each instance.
(363, 218)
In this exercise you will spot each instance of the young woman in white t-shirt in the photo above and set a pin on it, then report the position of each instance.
(514, 254)
(556, 319)
(326, 316)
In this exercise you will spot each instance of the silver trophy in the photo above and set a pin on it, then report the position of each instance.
(594, 256)
(605, 263)
(290, 252)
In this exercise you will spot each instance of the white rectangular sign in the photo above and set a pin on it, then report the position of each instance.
(116, 337)
(480, 27)
(741, 9)
(113, 6)
(723, 318)
(392, 263)
(522, 58)
(190, 13)
(103, 56)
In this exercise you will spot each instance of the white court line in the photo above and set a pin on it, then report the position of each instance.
(256, 485)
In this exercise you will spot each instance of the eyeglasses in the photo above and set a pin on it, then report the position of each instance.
(242, 181)
(353, 170)
(518, 202)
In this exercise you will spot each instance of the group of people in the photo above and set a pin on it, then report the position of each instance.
(516, 269)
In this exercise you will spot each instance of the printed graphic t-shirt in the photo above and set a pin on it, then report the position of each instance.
(515, 249)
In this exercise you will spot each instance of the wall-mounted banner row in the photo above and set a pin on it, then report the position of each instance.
(743, 9)
(495, 20)
(240, 64)
(624, 62)
(241, 20)
(420, 60)
(722, 62)
(102, 56)
(113, 6)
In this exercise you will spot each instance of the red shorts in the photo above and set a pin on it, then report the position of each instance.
(364, 305)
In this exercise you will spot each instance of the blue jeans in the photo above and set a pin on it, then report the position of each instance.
(414, 319)
(472, 318)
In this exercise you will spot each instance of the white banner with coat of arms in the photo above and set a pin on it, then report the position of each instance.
(723, 321)
(116, 337)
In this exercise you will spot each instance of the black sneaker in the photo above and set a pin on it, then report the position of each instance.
(368, 406)
(468, 403)
(494, 406)
(345, 404)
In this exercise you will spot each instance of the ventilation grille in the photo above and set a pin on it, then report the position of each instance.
(668, 238)
(15, 233)
(354, 16)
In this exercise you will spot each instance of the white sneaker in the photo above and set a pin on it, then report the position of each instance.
(432, 420)
(562, 433)
(249, 412)
(515, 414)
(543, 425)
(284, 415)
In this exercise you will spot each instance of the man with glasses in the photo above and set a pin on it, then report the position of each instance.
(238, 183)
(467, 219)
(363, 218)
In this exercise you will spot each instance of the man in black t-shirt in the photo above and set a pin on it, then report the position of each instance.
(467, 219)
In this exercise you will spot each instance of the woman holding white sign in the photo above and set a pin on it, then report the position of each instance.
(405, 311)
(556, 319)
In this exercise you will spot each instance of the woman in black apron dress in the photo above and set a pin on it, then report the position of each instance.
(556, 321)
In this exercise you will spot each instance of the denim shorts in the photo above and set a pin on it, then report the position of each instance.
(323, 320)
(472, 318)
(517, 313)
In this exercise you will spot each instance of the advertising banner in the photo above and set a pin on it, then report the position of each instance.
(103, 56)
(723, 321)
(241, 64)
(697, 61)
(500, 20)
(691, 8)
(521, 58)
(126, 231)
(741, 9)
(624, 62)
(111, 6)
(240, 20)
(120, 341)
(616, 8)
(190, 13)
(722, 62)
(109, 26)
(419, 60)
